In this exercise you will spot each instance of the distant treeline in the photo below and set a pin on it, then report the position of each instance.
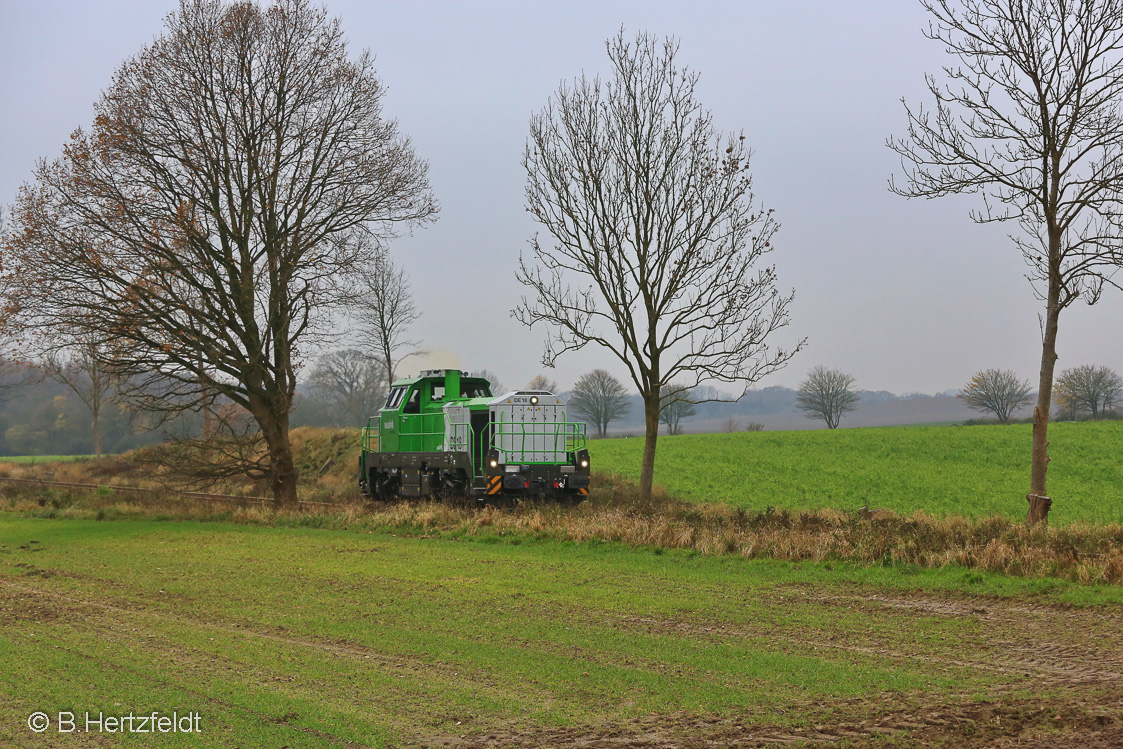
(769, 400)
(40, 416)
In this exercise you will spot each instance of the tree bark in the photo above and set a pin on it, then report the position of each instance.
(651, 436)
(1038, 498)
(273, 418)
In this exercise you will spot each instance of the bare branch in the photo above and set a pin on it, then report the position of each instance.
(203, 230)
(655, 233)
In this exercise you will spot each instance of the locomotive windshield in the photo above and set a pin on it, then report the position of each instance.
(395, 397)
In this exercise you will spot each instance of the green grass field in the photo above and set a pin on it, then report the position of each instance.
(303, 637)
(974, 471)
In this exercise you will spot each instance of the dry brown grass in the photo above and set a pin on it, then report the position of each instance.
(1080, 552)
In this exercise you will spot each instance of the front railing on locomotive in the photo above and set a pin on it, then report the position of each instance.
(370, 440)
(520, 442)
(416, 433)
(525, 442)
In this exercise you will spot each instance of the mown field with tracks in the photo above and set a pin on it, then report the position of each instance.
(349, 636)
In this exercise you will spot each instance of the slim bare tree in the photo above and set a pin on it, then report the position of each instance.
(84, 371)
(677, 405)
(1031, 116)
(599, 398)
(1089, 389)
(385, 309)
(826, 394)
(655, 233)
(997, 391)
(236, 171)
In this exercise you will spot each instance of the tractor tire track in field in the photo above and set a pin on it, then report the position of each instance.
(33, 605)
(1071, 668)
(42, 613)
(402, 666)
(1034, 650)
(958, 722)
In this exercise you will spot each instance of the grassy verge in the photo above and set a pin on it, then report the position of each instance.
(1078, 552)
(944, 471)
(312, 637)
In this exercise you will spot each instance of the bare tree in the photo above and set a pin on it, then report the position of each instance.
(677, 405)
(542, 382)
(826, 394)
(496, 386)
(84, 370)
(1030, 117)
(655, 233)
(385, 309)
(237, 169)
(600, 399)
(997, 391)
(352, 384)
(1089, 389)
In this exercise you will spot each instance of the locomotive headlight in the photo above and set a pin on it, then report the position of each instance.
(494, 463)
(584, 464)
(533, 399)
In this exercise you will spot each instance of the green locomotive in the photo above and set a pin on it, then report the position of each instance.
(444, 434)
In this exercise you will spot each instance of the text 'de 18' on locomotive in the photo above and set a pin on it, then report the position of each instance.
(443, 434)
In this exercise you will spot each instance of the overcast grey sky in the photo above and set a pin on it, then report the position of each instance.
(906, 295)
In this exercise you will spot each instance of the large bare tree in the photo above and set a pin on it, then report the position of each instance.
(351, 384)
(237, 169)
(1089, 389)
(655, 235)
(997, 391)
(600, 398)
(542, 382)
(826, 394)
(1029, 115)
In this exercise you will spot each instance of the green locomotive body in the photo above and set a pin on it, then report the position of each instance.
(444, 434)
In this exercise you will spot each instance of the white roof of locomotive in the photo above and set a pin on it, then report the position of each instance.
(520, 397)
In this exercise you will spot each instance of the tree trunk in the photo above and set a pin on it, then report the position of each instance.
(96, 427)
(1038, 498)
(651, 436)
(283, 475)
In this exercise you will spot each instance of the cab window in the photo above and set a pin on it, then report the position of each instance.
(413, 402)
(395, 397)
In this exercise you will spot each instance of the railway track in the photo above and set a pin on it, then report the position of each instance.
(133, 490)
